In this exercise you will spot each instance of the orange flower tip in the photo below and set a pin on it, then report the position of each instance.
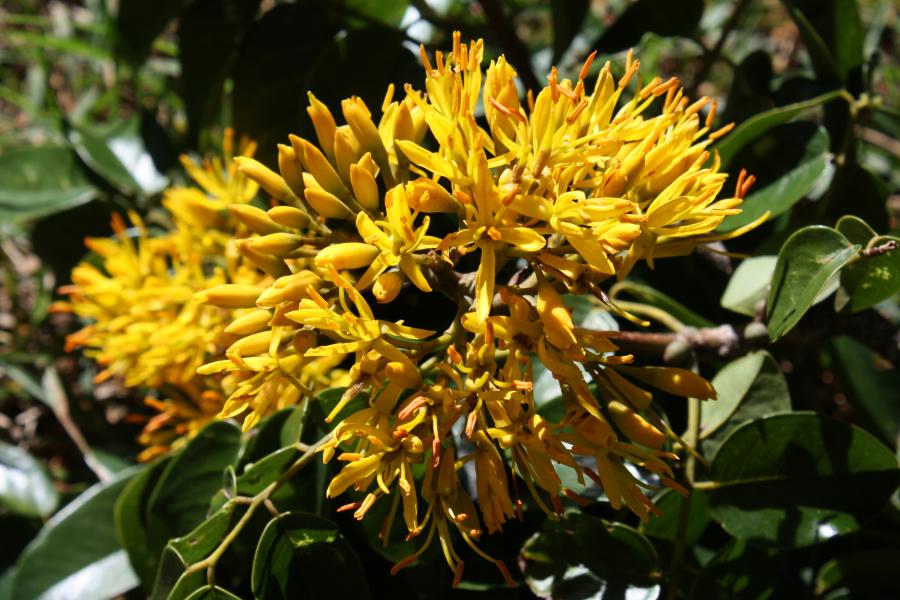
(475, 534)
(587, 65)
(557, 504)
(104, 375)
(403, 563)
(576, 498)
(501, 566)
(520, 513)
(457, 576)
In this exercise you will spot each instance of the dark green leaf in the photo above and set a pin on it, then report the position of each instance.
(777, 196)
(212, 593)
(209, 32)
(271, 72)
(658, 16)
(137, 25)
(581, 556)
(388, 12)
(25, 488)
(874, 278)
(749, 387)
(199, 543)
(833, 34)
(798, 479)
(857, 191)
(96, 154)
(568, 15)
(39, 181)
(855, 229)
(870, 573)
(759, 124)
(76, 554)
(266, 438)
(260, 474)
(805, 263)
(181, 497)
(740, 570)
(302, 554)
(670, 503)
(872, 384)
(172, 582)
(748, 287)
(130, 513)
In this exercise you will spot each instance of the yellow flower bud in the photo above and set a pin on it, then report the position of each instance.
(289, 216)
(323, 123)
(251, 345)
(319, 167)
(636, 427)
(252, 322)
(269, 180)
(360, 120)
(278, 244)
(290, 168)
(273, 265)
(570, 269)
(404, 374)
(680, 382)
(350, 255)
(558, 325)
(254, 218)
(327, 205)
(230, 295)
(364, 188)
(346, 151)
(387, 286)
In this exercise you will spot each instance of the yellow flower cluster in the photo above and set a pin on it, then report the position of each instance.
(555, 195)
(137, 296)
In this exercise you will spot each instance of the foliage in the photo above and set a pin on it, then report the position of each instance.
(792, 471)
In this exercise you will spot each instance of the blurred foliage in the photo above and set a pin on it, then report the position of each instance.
(795, 483)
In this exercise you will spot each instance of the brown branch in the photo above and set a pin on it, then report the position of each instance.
(879, 249)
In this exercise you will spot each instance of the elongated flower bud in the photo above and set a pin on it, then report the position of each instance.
(279, 244)
(290, 168)
(252, 322)
(326, 204)
(254, 218)
(289, 216)
(269, 180)
(636, 427)
(230, 295)
(251, 345)
(323, 123)
(558, 325)
(387, 286)
(350, 255)
(364, 187)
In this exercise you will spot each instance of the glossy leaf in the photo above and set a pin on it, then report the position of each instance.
(658, 16)
(388, 12)
(300, 552)
(39, 181)
(25, 488)
(260, 474)
(181, 496)
(748, 287)
(870, 573)
(581, 556)
(759, 124)
(872, 384)
(130, 515)
(749, 387)
(872, 279)
(649, 295)
(739, 570)
(670, 503)
(781, 194)
(805, 263)
(833, 34)
(798, 479)
(855, 229)
(208, 592)
(76, 554)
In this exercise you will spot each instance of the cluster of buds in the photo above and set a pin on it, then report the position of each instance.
(556, 195)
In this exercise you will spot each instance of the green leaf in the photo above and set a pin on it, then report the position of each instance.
(649, 295)
(780, 195)
(871, 279)
(25, 488)
(209, 32)
(833, 34)
(759, 124)
(568, 15)
(581, 556)
(39, 181)
(199, 543)
(271, 72)
(182, 495)
(670, 503)
(661, 17)
(130, 516)
(855, 229)
(76, 554)
(740, 570)
(388, 12)
(302, 554)
(749, 387)
(798, 479)
(212, 593)
(806, 261)
(872, 384)
(96, 154)
(260, 474)
(748, 287)
(870, 573)
(138, 23)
